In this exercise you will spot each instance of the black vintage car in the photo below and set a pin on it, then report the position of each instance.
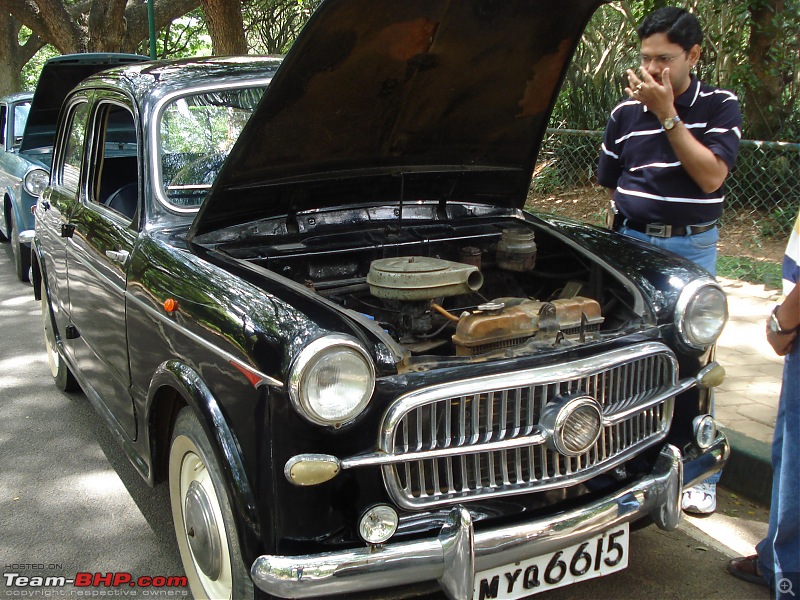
(353, 357)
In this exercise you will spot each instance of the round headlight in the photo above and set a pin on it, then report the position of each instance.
(331, 380)
(36, 181)
(701, 313)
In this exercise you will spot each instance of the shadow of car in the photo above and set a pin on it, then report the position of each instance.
(323, 317)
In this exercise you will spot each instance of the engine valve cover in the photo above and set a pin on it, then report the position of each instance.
(519, 320)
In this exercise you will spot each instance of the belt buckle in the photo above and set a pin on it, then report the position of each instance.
(658, 230)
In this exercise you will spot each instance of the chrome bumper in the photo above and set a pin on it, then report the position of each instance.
(459, 551)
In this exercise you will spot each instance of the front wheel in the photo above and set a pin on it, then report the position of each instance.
(22, 254)
(62, 376)
(202, 516)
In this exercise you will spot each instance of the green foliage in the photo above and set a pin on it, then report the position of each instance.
(750, 270)
(30, 72)
(184, 37)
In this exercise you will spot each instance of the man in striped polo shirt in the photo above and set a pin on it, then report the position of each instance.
(669, 147)
(665, 155)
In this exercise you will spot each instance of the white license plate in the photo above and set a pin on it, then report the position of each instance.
(601, 555)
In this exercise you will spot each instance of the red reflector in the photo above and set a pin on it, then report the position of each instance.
(253, 378)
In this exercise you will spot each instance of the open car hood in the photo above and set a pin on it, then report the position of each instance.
(402, 100)
(59, 75)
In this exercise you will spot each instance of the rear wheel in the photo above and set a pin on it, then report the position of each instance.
(22, 254)
(62, 376)
(202, 516)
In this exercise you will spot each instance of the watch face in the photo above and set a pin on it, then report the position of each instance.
(669, 124)
(773, 324)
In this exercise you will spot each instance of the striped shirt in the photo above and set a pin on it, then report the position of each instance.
(637, 161)
(791, 261)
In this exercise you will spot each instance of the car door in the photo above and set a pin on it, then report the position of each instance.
(103, 230)
(54, 208)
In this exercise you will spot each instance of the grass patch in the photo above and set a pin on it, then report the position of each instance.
(750, 270)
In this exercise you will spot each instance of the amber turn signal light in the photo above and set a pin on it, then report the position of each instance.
(170, 305)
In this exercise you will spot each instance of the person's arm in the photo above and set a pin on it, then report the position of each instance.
(788, 315)
(706, 168)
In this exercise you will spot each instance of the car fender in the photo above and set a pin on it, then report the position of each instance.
(187, 383)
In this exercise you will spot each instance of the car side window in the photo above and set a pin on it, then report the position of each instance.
(70, 174)
(3, 112)
(114, 178)
(21, 112)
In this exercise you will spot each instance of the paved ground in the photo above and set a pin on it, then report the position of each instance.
(747, 401)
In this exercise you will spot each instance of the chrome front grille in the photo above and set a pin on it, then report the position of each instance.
(481, 438)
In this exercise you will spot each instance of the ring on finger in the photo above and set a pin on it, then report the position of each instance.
(639, 87)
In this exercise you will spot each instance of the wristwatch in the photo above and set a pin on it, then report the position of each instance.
(671, 122)
(775, 326)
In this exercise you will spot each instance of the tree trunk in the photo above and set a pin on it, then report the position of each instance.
(763, 112)
(14, 55)
(93, 25)
(225, 26)
(107, 26)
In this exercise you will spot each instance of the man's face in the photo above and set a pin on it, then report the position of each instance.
(658, 53)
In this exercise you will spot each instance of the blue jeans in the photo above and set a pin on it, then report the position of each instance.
(779, 552)
(700, 248)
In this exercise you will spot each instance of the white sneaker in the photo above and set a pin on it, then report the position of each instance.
(700, 499)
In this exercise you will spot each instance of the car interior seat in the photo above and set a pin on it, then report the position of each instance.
(125, 199)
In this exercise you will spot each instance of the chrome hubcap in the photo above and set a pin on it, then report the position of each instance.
(202, 531)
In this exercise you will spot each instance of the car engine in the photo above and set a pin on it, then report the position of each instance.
(438, 290)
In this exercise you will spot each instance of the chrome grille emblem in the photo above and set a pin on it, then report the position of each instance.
(572, 424)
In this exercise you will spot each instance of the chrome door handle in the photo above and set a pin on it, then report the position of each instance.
(118, 256)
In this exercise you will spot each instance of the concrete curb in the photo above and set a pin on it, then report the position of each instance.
(749, 469)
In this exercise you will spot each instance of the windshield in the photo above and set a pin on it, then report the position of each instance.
(196, 134)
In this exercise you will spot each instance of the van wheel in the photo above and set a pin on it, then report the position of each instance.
(202, 516)
(62, 376)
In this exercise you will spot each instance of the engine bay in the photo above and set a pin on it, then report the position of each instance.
(466, 290)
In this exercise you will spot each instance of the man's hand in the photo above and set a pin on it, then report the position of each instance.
(782, 344)
(657, 97)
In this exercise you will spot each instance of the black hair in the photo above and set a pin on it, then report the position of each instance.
(681, 26)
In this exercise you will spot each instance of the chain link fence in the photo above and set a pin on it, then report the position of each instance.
(762, 198)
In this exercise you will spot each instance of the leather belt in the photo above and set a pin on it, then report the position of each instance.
(665, 231)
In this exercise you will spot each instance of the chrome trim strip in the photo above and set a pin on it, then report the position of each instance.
(398, 494)
(444, 558)
(383, 458)
(617, 417)
(265, 379)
